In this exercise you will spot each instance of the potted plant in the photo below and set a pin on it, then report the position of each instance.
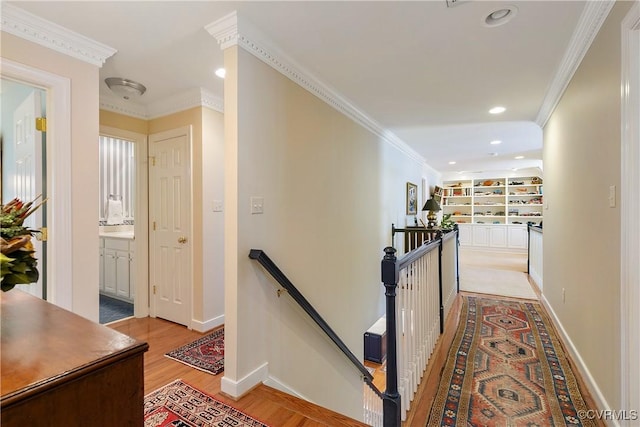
(18, 262)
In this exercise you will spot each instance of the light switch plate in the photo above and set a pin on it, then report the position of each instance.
(612, 196)
(257, 205)
(217, 205)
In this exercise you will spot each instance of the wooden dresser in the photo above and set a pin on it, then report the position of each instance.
(60, 369)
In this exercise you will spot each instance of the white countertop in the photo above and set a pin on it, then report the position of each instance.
(118, 235)
(117, 231)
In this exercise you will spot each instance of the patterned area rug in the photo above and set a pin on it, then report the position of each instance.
(206, 353)
(180, 405)
(506, 368)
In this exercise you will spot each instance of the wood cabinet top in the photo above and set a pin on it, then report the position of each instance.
(43, 346)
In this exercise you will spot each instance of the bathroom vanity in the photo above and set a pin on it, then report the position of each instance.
(117, 262)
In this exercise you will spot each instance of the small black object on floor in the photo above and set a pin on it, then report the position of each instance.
(112, 309)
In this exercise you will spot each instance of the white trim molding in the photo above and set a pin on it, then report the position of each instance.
(30, 27)
(232, 30)
(207, 325)
(592, 18)
(59, 183)
(238, 388)
(629, 207)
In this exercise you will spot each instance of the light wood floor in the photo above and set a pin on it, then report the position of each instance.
(267, 404)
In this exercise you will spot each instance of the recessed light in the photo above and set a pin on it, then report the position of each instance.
(500, 16)
(497, 110)
(221, 72)
(519, 157)
(495, 142)
(452, 163)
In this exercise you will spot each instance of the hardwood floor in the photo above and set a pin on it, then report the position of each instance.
(264, 403)
(274, 407)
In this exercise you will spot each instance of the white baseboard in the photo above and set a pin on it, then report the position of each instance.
(238, 388)
(208, 324)
(588, 379)
(279, 385)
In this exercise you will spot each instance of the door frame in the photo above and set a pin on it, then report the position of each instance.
(173, 133)
(141, 222)
(58, 170)
(629, 208)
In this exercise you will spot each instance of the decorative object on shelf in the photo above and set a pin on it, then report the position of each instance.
(412, 199)
(536, 180)
(19, 265)
(432, 206)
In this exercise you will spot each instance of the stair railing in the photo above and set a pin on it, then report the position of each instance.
(266, 262)
(424, 283)
(415, 310)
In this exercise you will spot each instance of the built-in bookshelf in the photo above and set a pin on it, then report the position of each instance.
(494, 201)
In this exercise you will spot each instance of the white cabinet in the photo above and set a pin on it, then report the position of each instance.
(517, 236)
(117, 268)
(493, 236)
(480, 236)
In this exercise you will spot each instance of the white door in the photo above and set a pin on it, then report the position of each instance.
(170, 225)
(28, 173)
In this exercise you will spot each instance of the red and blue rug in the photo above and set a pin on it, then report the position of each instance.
(206, 353)
(506, 368)
(180, 405)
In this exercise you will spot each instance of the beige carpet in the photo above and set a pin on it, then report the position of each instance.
(495, 273)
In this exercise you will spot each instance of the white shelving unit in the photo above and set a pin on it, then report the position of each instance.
(493, 213)
(494, 201)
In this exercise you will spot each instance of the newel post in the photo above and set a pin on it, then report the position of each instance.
(391, 402)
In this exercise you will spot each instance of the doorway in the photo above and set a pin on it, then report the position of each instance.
(124, 260)
(23, 171)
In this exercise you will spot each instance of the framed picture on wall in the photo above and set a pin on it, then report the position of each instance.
(437, 194)
(412, 199)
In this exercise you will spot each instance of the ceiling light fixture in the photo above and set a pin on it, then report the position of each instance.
(495, 142)
(452, 163)
(519, 157)
(497, 110)
(125, 88)
(500, 16)
(221, 72)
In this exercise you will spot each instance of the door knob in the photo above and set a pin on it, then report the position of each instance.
(182, 240)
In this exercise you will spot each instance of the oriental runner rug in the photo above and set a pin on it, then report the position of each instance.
(180, 405)
(206, 353)
(506, 368)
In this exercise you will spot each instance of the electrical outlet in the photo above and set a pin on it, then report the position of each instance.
(257, 205)
(217, 205)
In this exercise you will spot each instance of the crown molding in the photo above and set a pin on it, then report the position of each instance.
(591, 20)
(196, 97)
(232, 30)
(30, 27)
(117, 105)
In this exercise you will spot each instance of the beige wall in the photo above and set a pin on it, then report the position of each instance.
(581, 231)
(120, 121)
(84, 159)
(331, 191)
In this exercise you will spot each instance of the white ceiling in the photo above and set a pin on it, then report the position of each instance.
(425, 72)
